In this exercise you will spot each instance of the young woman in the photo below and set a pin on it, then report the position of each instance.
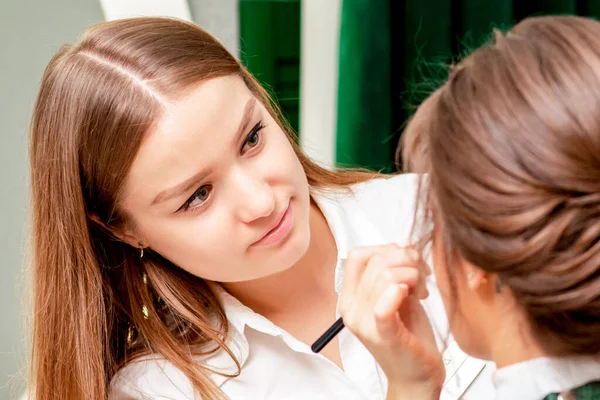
(511, 145)
(183, 245)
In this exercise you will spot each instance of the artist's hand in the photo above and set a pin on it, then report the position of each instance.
(380, 304)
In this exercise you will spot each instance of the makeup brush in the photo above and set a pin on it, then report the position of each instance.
(329, 334)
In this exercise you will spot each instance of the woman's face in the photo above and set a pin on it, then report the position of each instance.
(463, 305)
(217, 189)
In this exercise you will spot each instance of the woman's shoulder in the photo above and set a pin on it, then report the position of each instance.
(150, 377)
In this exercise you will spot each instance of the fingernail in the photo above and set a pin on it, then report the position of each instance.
(426, 291)
(428, 270)
(403, 287)
(388, 276)
(392, 291)
(383, 305)
(414, 255)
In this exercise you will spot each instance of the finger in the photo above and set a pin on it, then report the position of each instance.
(356, 263)
(387, 320)
(410, 276)
(424, 266)
(373, 278)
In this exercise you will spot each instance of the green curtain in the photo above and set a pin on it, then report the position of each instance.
(270, 49)
(364, 90)
(392, 54)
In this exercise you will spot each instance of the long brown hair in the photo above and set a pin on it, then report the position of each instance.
(98, 305)
(511, 145)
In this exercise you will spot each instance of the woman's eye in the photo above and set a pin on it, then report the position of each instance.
(199, 197)
(253, 138)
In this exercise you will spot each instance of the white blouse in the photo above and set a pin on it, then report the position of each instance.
(277, 366)
(537, 378)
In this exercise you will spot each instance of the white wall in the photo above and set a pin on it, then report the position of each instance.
(221, 19)
(319, 78)
(117, 9)
(30, 32)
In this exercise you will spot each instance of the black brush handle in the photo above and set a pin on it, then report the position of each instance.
(327, 336)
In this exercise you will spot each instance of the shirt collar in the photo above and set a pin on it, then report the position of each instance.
(539, 377)
(220, 363)
(350, 227)
(348, 223)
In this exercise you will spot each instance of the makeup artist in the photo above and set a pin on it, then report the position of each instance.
(511, 146)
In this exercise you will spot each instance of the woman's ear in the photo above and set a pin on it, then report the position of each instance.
(126, 235)
(476, 277)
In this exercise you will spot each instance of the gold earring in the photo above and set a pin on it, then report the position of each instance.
(484, 280)
(141, 251)
(130, 334)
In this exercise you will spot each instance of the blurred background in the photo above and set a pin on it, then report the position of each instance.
(347, 74)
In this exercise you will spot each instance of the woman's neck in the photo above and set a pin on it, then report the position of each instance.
(299, 286)
(513, 341)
